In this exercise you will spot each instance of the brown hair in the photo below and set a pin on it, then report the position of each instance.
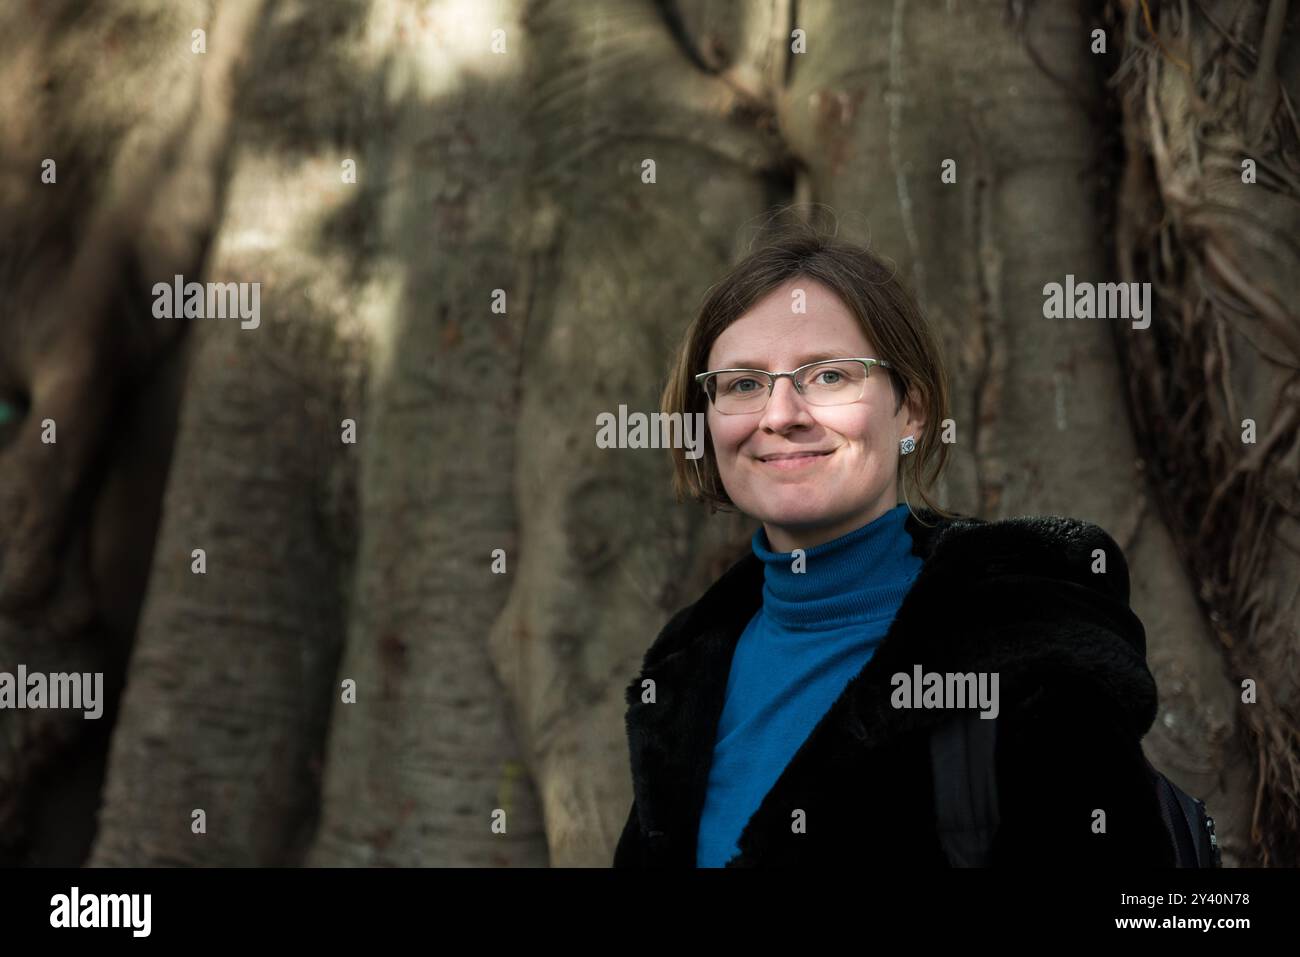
(871, 290)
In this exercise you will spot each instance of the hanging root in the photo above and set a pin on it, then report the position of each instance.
(1201, 94)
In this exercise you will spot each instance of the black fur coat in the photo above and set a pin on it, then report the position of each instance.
(1019, 597)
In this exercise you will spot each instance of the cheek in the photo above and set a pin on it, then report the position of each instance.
(726, 436)
(857, 426)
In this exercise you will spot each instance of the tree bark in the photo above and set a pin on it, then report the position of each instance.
(104, 186)
(227, 703)
(420, 764)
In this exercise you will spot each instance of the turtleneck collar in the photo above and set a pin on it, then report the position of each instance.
(858, 577)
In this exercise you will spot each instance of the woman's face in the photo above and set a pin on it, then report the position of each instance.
(811, 499)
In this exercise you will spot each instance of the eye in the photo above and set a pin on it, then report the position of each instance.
(833, 380)
(738, 386)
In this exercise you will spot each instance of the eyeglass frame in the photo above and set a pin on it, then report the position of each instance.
(773, 376)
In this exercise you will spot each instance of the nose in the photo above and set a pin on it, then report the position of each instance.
(785, 408)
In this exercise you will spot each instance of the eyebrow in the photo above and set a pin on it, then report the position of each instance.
(803, 361)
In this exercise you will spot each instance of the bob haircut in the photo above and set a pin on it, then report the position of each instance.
(889, 316)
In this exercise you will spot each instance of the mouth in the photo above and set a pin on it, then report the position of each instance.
(794, 460)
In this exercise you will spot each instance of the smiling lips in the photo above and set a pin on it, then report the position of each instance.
(793, 460)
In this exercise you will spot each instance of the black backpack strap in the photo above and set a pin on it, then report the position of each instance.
(962, 758)
(1189, 824)
(1180, 830)
(963, 764)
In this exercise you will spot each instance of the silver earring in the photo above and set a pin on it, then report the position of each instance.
(906, 445)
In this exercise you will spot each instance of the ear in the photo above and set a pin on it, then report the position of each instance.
(911, 416)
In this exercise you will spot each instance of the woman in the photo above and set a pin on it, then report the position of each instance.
(792, 714)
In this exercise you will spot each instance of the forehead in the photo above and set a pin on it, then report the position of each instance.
(798, 322)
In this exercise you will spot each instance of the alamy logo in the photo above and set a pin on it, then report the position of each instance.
(59, 690)
(103, 910)
(949, 690)
(1107, 300)
(214, 300)
(658, 430)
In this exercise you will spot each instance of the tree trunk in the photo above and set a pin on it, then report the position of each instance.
(227, 704)
(104, 188)
(427, 754)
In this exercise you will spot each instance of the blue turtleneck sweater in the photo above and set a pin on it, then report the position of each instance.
(815, 631)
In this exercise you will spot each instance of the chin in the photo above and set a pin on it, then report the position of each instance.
(796, 511)
(796, 515)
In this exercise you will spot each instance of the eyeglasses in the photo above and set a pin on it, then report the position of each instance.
(827, 382)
